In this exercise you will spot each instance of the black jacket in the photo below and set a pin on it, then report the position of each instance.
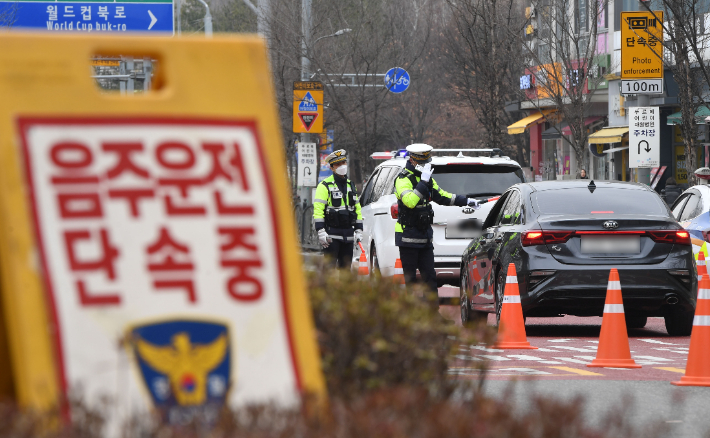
(671, 193)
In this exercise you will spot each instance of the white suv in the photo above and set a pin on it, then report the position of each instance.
(480, 177)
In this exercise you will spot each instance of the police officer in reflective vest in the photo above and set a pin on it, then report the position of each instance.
(416, 190)
(336, 212)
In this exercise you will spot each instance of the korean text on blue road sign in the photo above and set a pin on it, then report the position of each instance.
(91, 16)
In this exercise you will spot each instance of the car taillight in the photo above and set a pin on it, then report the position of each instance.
(394, 211)
(679, 237)
(531, 238)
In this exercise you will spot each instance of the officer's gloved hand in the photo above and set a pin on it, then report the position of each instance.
(473, 203)
(426, 172)
(358, 236)
(323, 238)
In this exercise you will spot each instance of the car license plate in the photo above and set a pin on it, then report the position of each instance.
(465, 229)
(611, 244)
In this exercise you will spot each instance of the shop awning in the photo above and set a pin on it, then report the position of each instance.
(588, 121)
(612, 134)
(521, 125)
(554, 132)
(701, 117)
(612, 150)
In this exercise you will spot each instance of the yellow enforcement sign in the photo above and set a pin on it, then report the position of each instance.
(308, 107)
(642, 45)
(147, 250)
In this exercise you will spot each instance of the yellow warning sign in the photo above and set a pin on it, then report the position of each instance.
(642, 45)
(308, 107)
(148, 239)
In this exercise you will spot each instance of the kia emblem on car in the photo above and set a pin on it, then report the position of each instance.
(611, 225)
(467, 210)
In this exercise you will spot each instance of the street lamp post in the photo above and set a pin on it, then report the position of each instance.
(305, 192)
(208, 20)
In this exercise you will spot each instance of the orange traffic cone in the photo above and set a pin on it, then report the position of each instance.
(613, 349)
(697, 369)
(702, 268)
(511, 330)
(363, 270)
(398, 277)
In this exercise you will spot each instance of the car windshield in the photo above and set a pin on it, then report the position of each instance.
(604, 200)
(477, 179)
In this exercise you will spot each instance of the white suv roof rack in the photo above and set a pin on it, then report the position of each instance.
(388, 155)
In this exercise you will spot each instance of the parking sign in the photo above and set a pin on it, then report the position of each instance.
(644, 137)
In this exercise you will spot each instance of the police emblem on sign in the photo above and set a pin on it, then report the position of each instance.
(185, 365)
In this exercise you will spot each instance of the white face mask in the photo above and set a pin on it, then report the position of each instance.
(342, 170)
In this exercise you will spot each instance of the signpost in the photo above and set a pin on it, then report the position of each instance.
(307, 165)
(642, 52)
(644, 137)
(307, 107)
(92, 16)
(147, 245)
(397, 80)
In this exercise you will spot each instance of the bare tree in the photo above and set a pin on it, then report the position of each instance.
(383, 35)
(485, 56)
(687, 40)
(8, 14)
(567, 71)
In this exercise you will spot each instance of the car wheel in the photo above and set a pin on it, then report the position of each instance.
(374, 261)
(465, 309)
(636, 322)
(500, 291)
(679, 322)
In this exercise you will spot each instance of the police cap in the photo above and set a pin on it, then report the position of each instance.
(420, 152)
(336, 157)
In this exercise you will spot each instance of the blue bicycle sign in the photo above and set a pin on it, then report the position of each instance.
(397, 80)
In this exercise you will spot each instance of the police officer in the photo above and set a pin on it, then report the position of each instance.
(416, 189)
(336, 212)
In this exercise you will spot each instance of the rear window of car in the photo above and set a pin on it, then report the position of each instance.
(476, 179)
(580, 201)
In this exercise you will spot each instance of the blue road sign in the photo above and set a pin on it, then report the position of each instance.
(397, 79)
(308, 103)
(92, 16)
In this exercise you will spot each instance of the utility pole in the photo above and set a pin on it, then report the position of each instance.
(644, 174)
(305, 192)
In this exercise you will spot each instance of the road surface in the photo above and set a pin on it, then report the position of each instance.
(558, 369)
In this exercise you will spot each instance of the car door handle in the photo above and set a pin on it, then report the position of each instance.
(498, 239)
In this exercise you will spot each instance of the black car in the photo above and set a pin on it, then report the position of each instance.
(565, 236)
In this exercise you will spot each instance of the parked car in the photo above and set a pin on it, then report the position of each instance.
(692, 210)
(565, 236)
(475, 175)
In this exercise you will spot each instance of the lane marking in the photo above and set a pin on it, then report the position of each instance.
(588, 349)
(548, 350)
(533, 358)
(487, 350)
(578, 371)
(494, 358)
(654, 358)
(671, 369)
(654, 341)
(569, 359)
(560, 340)
(526, 371)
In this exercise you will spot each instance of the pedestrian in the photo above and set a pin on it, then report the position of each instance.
(336, 213)
(583, 174)
(416, 189)
(671, 192)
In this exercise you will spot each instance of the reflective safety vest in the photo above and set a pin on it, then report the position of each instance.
(414, 198)
(339, 213)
